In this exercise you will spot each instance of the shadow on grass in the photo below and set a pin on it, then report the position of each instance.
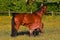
(35, 33)
(23, 33)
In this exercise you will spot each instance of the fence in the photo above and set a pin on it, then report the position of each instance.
(9, 12)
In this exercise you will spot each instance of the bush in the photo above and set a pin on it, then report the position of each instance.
(20, 6)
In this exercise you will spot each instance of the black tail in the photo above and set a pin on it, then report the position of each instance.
(13, 31)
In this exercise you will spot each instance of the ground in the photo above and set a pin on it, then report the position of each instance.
(51, 29)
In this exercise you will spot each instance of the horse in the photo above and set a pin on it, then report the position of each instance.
(31, 20)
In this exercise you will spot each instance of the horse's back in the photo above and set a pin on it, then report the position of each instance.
(26, 18)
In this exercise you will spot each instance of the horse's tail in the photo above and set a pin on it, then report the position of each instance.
(13, 31)
(13, 22)
(13, 16)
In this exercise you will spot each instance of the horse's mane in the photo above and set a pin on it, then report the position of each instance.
(38, 10)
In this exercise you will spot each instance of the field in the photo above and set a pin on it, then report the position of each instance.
(51, 29)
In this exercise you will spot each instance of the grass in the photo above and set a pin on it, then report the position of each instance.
(51, 29)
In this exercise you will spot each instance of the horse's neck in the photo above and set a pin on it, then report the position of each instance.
(40, 13)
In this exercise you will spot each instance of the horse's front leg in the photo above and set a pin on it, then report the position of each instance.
(41, 27)
(31, 32)
(31, 29)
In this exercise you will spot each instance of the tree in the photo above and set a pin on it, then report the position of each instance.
(30, 2)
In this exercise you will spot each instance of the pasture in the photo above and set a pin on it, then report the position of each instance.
(51, 29)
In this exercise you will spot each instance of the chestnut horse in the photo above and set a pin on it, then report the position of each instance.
(32, 21)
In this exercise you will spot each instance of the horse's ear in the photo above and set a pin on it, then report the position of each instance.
(41, 4)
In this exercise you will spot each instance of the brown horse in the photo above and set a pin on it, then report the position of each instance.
(32, 21)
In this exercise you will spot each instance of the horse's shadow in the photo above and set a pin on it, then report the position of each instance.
(35, 33)
(23, 33)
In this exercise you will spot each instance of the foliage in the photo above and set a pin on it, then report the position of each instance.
(4, 5)
(20, 5)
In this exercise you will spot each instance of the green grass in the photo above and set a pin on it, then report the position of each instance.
(51, 29)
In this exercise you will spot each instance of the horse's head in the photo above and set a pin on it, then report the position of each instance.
(41, 10)
(44, 7)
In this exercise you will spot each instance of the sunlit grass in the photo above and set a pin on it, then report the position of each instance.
(51, 29)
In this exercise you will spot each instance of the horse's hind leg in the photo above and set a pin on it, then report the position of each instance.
(17, 26)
